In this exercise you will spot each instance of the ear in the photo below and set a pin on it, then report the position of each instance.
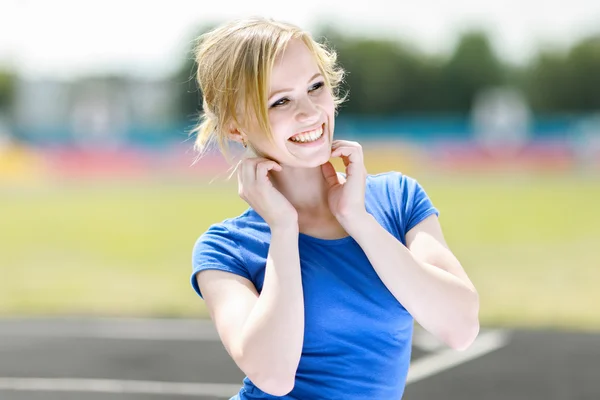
(233, 133)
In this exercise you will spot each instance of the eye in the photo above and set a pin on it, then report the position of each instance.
(317, 86)
(280, 102)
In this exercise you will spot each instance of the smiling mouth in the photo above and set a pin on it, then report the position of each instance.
(308, 137)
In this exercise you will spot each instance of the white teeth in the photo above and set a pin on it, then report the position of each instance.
(308, 136)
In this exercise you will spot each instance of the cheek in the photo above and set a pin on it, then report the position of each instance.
(326, 101)
(279, 122)
(329, 107)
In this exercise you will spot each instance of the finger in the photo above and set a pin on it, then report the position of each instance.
(248, 167)
(338, 143)
(352, 153)
(263, 168)
(238, 172)
(248, 171)
(352, 158)
(345, 159)
(329, 174)
(240, 179)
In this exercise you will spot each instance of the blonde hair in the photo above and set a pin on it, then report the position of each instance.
(234, 65)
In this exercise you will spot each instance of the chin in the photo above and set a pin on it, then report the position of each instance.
(316, 161)
(318, 157)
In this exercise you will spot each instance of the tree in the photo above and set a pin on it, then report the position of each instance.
(583, 70)
(546, 83)
(190, 98)
(384, 76)
(566, 81)
(7, 90)
(472, 67)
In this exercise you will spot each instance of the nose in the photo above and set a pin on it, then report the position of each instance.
(307, 111)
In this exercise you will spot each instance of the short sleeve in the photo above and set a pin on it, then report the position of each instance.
(418, 205)
(217, 249)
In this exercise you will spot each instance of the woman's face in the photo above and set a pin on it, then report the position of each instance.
(301, 112)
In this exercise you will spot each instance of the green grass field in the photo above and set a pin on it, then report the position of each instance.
(530, 245)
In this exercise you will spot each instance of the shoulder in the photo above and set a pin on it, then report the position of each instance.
(392, 184)
(394, 179)
(218, 247)
(401, 196)
(233, 231)
(229, 245)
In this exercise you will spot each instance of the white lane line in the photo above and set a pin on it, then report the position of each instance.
(430, 365)
(117, 386)
(419, 369)
(425, 341)
(121, 329)
(117, 334)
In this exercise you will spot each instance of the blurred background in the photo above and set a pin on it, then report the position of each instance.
(493, 106)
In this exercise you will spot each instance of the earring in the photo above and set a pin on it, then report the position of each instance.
(244, 143)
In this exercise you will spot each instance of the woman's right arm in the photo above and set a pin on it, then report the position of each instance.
(263, 334)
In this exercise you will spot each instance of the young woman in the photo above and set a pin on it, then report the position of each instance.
(315, 287)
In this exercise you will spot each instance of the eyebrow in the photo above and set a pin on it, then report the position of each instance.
(289, 90)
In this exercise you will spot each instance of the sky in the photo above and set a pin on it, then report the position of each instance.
(64, 39)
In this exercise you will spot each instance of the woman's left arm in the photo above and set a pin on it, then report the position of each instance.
(424, 276)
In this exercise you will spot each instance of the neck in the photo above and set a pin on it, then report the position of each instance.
(304, 188)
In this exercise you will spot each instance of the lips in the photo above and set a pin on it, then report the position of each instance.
(308, 136)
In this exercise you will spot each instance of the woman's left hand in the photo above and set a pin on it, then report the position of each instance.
(346, 196)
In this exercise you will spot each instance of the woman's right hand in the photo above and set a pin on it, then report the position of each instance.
(256, 189)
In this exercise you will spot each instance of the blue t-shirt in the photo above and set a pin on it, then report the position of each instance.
(357, 339)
